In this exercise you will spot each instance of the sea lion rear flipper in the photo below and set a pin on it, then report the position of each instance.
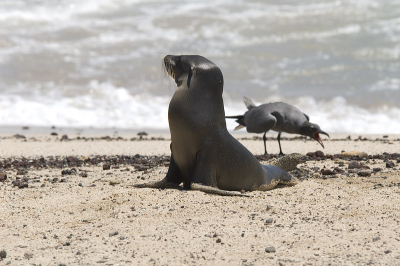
(215, 190)
(275, 176)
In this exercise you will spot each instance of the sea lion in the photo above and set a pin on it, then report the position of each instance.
(204, 156)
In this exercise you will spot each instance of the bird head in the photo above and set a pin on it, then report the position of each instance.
(313, 130)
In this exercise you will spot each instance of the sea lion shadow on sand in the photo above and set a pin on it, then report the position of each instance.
(204, 156)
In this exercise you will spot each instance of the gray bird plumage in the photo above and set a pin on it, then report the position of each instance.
(278, 116)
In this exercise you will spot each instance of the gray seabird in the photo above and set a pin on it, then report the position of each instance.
(280, 117)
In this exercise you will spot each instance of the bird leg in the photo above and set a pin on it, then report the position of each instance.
(265, 146)
(279, 141)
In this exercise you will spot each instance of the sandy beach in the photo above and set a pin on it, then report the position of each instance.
(71, 202)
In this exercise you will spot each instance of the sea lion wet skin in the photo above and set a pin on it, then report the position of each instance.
(203, 152)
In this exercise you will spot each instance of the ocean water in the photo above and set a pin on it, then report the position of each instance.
(97, 63)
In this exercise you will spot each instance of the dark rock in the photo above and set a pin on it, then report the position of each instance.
(18, 136)
(390, 164)
(22, 172)
(364, 173)
(114, 233)
(354, 165)
(84, 174)
(3, 177)
(270, 249)
(327, 172)
(338, 170)
(3, 254)
(388, 251)
(219, 240)
(69, 172)
(319, 154)
(106, 167)
(377, 169)
(64, 137)
(311, 154)
(53, 134)
(376, 239)
(269, 221)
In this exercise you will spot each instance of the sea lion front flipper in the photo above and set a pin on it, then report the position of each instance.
(171, 180)
(157, 184)
(215, 190)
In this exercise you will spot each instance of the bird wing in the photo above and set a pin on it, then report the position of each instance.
(308, 118)
(249, 104)
(259, 121)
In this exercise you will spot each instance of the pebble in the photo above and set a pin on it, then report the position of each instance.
(269, 221)
(270, 249)
(319, 154)
(3, 254)
(364, 173)
(377, 169)
(114, 182)
(327, 172)
(106, 167)
(83, 174)
(354, 165)
(388, 251)
(69, 172)
(348, 154)
(219, 240)
(363, 155)
(114, 233)
(389, 164)
(3, 177)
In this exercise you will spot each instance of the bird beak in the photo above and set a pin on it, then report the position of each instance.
(318, 138)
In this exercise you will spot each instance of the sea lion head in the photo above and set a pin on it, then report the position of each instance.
(187, 69)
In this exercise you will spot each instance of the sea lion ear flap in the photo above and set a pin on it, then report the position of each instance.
(192, 72)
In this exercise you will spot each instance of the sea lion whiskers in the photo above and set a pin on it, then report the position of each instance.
(166, 73)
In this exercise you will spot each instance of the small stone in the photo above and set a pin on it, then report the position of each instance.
(377, 169)
(62, 264)
(3, 177)
(22, 172)
(388, 251)
(270, 249)
(327, 172)
(114, 182)
(106, 167)
(364, 173)
(219, 240)
(84, 174)
(363, 155)
(354, 165)
(53, 134)
(80, 184)
(64, 137)
(269, 221)
(3, 254)
(347, 154)
(69, 172)
(319, 154)
(376, 239)
(114, 233)
(390, 164)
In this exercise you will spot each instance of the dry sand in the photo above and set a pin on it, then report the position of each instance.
(101, 220)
